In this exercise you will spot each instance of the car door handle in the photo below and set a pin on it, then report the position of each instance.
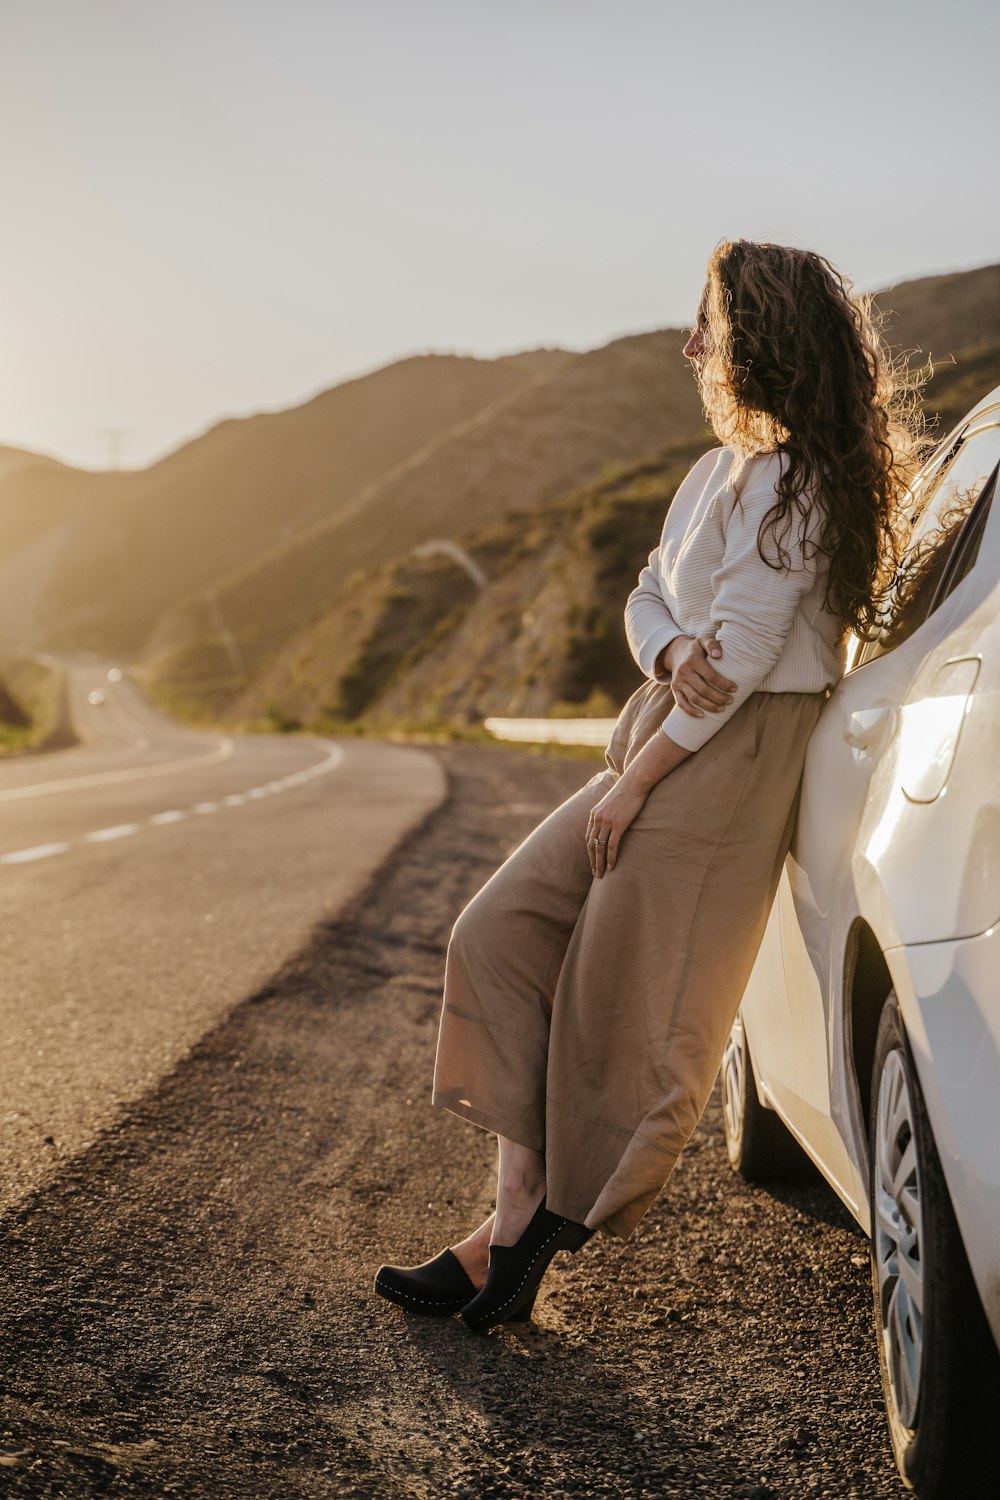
(871, 729)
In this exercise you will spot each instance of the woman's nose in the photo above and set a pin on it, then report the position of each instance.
(693, 345)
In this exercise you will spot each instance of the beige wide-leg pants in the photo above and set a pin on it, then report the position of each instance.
(587, 1018)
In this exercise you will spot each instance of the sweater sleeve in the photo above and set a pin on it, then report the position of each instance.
(753, 604)
(649, 625)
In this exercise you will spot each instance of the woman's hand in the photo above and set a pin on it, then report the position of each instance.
(609, 819)
(696, 684)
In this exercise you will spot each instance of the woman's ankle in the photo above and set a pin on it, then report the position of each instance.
(514, 1186)
(514, 1213)
(473, 1253)
(520, 1189)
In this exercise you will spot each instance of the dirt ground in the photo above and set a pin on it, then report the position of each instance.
(188, 1309)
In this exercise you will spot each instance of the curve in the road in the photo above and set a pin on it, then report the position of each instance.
(334, 757)
(96, 778)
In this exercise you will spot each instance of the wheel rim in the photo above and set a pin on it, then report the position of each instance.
(732, 1081)
(898, 1238)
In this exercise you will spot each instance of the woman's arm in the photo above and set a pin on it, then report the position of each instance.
(753, 605)
(620, 806)
(695, 682)
(752, 610)
(698, 687)
(649, 625)
(660, 648)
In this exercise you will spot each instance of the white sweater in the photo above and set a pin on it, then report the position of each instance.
(707, 578)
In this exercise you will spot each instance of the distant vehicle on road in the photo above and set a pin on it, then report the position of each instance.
(869, 1033)
(95, 696)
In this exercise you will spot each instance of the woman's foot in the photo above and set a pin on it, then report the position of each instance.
(474, 1252)
(438, 1286)
(516, 1270)
(447, 1282)
(517, 1199)
(520, 1189)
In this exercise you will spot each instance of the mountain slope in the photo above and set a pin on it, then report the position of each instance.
(133, 541)
(941, 315)
(609, 404)
(415, 640)
(415, 643)
(227, 548)
(612, 404)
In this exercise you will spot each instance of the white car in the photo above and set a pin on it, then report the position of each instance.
(869, 1032)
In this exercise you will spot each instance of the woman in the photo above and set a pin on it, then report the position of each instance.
(591, 984)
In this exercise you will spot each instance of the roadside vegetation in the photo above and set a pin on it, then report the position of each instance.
(30, 705)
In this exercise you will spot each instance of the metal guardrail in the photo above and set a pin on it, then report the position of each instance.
(553, 731)
(457, 554)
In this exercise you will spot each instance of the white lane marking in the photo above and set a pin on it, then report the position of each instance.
(134, 773)
(236, 799)
(126, 749)
(20, 856)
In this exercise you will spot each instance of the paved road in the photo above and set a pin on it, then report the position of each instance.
(153, 876)
(186, 1308)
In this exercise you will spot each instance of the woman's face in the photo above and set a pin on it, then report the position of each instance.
(696, 344)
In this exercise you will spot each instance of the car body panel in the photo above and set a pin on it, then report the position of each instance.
(948, 994)
(898, 832)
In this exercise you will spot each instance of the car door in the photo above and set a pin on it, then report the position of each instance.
(781, 1036)
(910, 685)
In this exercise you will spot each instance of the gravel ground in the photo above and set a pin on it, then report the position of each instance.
(188, 1309)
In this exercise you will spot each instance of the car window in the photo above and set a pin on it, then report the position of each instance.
(945, 509)
(963, 557)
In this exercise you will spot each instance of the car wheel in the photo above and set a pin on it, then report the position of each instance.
(940, 1367)
(759, 1145)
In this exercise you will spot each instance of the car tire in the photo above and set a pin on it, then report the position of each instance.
(939, 1364)
(758, 1143)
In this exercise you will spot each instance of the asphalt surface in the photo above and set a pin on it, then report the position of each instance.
(186, 1303)
(152, 877)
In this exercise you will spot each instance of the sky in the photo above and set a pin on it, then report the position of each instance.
(218, 207)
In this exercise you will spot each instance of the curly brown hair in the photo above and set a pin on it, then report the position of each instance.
(794, 361)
